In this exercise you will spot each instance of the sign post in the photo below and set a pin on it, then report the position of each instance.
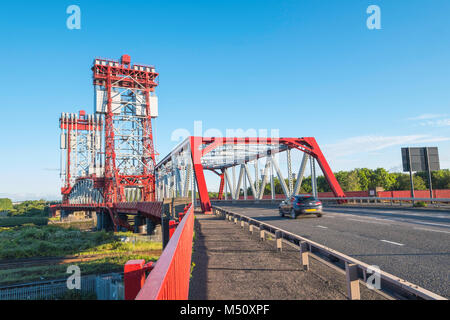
(423, 160)
(411, 174)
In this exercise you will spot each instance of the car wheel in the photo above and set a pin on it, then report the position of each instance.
(318, 215)
(281, 213)
(293, 215)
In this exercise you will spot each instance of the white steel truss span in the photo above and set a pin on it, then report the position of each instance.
(83, 192)
(174, 178)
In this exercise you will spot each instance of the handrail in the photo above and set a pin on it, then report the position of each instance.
(169, 278)
(390, 283)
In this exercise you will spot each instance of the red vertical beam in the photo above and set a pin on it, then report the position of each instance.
(109, 194)
(149, 186)
(67, 186)
(196, 154)
(329, 175)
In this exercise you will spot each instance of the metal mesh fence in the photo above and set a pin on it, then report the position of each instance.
(105, 287)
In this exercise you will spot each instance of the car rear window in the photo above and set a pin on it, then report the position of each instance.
(302, 199)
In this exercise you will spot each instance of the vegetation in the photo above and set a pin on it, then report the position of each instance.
(420, 204)
(5, 204)
(22, 221)
(56, 271)
(31, 208)
(42, 241)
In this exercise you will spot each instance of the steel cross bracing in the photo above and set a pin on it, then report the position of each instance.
(220, 154)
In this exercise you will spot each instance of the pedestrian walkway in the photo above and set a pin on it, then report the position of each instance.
(232, 264)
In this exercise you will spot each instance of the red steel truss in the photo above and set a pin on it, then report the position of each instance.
(200, 150)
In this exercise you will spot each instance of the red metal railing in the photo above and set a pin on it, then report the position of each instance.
(169, 276)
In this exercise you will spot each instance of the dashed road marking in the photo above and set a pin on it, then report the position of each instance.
(434, 224)
(388, 224)
(322, 227)
(433, 230)
(392, 242)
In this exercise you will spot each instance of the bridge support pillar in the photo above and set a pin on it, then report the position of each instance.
(99, 220)
(150, 226)
(140, 224)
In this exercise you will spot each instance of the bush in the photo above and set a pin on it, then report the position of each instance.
(420, 204)
(22, 221)
(5, 204)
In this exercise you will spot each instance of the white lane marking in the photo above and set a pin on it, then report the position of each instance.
(388, 224)
(433, 230)
(322, 227)
(391, 242)
(434, 224)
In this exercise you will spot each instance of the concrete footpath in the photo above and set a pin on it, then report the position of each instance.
(232, 264)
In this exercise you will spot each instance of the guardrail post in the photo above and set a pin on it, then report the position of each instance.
(172, 227)
(165, 230)
(304, 255)
(279, 237)
(250, 228)
(133, 278)
(351, 271)
(242, 223)
(235, 220)
(262, 235)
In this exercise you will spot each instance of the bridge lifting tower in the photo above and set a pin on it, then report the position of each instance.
(124, 96)
(108, 158)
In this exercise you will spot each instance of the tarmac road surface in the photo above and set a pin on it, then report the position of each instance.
(408, 243)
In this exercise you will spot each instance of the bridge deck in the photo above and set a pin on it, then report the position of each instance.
(232, 264)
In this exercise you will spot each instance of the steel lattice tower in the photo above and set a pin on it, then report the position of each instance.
(124, 96)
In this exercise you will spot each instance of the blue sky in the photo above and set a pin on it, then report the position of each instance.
(306, 68)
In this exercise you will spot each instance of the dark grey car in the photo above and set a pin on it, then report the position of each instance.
(301, 205)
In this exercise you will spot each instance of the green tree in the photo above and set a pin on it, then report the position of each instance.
(382, 178)
(365, 178)
(403, 182)
(5, 204)
(440, 179)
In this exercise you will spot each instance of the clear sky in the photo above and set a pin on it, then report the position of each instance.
(304, 67)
